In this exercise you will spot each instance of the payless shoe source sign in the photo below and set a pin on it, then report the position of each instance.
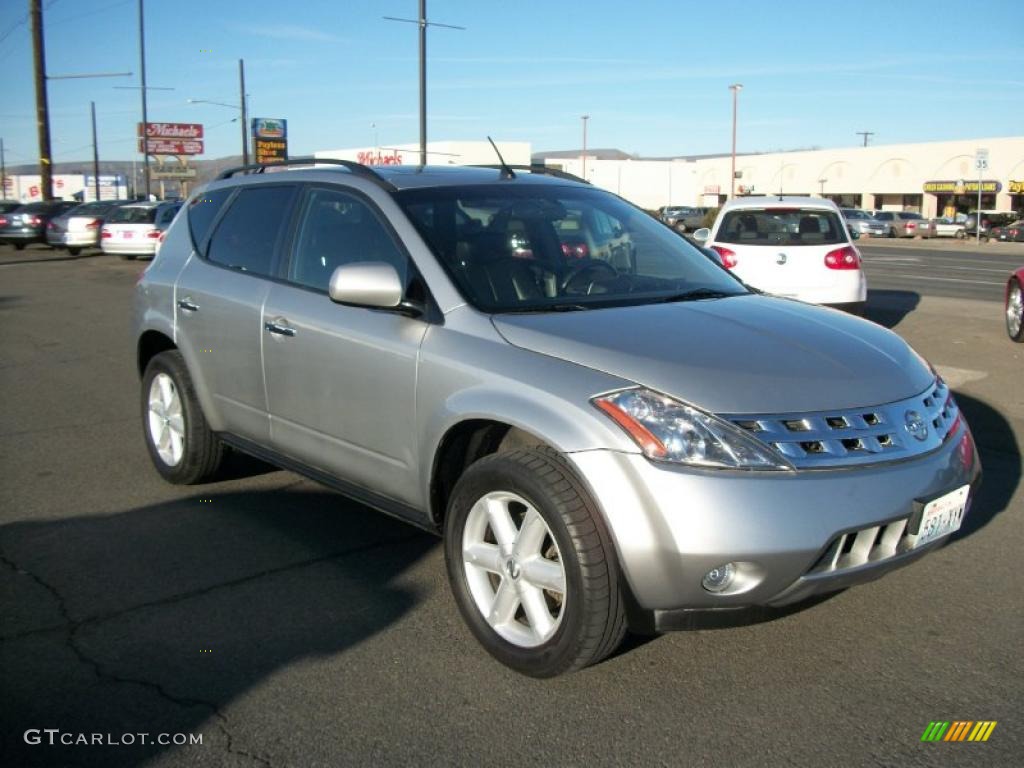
(269, 140)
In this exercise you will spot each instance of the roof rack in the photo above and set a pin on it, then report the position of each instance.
(355, 168)
(544, 170)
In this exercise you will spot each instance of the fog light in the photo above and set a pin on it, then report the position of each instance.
(719, 579)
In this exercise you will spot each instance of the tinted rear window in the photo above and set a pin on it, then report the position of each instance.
(131, 215)
(246, 236)
(90, 209)
(775, 226)
(908, 216)
(202, 210)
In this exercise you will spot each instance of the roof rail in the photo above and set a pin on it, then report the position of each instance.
(358, 169)
(544, 170)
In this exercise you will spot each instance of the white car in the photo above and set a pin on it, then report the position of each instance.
(134, 230)
(797, 247)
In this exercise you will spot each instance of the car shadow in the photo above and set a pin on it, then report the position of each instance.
(1000, 456)
(156, 619)
(888, 308)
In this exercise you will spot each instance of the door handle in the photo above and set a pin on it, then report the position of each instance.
(279, 329)
(188, 305)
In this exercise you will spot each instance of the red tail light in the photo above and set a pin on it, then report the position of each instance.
(729, 259)
(3, 221)
(575, 250)
(94, 224)
(105, 234)
(35, 221)
(50, 225)
(153, 234)
(846, 257)
(1013, 232)
(911, 225)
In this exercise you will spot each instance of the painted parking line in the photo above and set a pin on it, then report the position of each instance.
(957, 377)
(948, 279)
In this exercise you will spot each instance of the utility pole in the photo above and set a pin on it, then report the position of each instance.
(735, 88)
(245, 125)
(423, 24)
(35, 10)
(95, 152)
(3, 171)
(145, 116)
(583, 154)
(865, 134)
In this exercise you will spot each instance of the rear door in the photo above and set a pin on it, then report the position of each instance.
(219, 300)
(782, 249)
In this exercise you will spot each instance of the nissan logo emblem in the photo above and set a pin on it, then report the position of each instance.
(916, 426)
(780, 259)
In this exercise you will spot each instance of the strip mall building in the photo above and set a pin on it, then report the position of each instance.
(933, 178)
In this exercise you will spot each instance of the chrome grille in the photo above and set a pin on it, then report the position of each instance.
(857, 435)
(868, 545)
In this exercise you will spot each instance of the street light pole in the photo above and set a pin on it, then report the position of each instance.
(3, 171)
(735, 88)
(145, 116)
(42, 101)
(583, 156)
(95, 152)
(245, 134)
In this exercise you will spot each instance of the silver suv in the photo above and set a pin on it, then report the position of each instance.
(607, 428)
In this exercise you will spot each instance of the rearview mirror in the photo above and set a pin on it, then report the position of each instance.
(366, 284)
(854, 234)
(702, 235)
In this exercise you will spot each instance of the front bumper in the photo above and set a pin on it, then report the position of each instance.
(672, 525)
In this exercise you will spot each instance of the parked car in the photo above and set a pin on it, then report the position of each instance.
(1015, 305)
(79, 227)
(863, 223)
(949, 227)
(26, 224)
(134, 230)
(585, 436)
(798, 247)
(1009, 233)
(684, 218)
(989, 219)
(905, 224)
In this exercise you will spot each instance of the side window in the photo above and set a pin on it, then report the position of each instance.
(246, 236)
(336, 228)
(202, 210)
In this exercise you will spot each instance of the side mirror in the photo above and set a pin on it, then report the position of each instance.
(854, 234)
(702, 235)
(366, 284)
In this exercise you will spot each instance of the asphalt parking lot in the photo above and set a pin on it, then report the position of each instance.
(291, 627)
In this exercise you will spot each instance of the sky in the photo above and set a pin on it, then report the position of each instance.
(653, 76)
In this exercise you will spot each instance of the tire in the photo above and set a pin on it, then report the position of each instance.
(197, 453)
(18, 246)
(892, 232)
(127, 256)
(589, 621)
(74, 251)
(1015, 311)
(960, 235)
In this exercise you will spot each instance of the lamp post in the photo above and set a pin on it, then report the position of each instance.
(583, 156)
(821, 182)
(241, 109)
(735, 88)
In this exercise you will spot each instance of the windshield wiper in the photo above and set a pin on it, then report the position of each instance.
(697, 294)
(549, 308)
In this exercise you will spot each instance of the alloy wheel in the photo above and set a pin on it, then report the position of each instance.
(514, 569)
(166, 422)
(1014, 310)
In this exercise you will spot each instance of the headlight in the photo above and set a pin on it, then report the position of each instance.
(668, 430)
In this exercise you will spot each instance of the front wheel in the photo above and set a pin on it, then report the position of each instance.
(892, 232)
(960, 235)
(1015, 311)
(181, 444)
(531, 564)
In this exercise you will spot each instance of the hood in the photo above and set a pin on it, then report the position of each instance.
(741, 355)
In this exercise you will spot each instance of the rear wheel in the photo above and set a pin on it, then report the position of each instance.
(127, 256)
(892, 232)
(531, 564)
(74, 251)
(181, 444)
(1015, 311)
(19, 246)
(960, 234)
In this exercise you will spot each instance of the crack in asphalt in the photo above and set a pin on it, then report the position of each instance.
(71, 627)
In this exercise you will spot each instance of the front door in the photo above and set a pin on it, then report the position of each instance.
(341, 380)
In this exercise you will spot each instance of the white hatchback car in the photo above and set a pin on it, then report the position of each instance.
(797, 247)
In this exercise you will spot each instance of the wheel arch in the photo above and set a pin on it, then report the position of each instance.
(151, 343)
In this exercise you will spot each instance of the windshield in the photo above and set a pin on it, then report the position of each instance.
(781, 226)
(535, 248)
(130, 214)
(850, 213)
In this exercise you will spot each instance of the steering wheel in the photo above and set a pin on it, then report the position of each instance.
(585, 267)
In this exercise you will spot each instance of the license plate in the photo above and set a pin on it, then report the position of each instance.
(126, 235)
(942, 516)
